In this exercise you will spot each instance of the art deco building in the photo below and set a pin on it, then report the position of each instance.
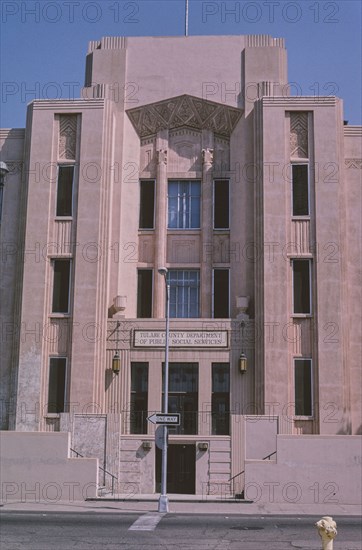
(187, 153)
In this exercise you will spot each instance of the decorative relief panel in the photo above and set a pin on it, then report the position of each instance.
(301, 335)
(184, 151)
(220, 251)
(353, 163)
(14, 167)
(221, 155)
(300, 243)
(146, 249)
(148, 155)
(299, 135)
(182, 249)
(63, 241)
(184, 111)
(67, 136)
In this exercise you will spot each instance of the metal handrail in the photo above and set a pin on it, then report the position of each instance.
(267, 457)
(100, 468)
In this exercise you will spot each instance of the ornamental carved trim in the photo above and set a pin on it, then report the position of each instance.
(207, 156)
(299, 135)
(184, 111)
(353, 163)
(161, 156)
(67, 136)
(15, 167)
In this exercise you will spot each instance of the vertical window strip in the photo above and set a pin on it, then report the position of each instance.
(57, 384)
(303, 387)
(302, 287)
(300, 190)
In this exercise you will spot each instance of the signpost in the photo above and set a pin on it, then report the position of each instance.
(166, 419)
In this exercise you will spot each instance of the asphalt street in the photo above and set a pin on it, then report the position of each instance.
(174, 531)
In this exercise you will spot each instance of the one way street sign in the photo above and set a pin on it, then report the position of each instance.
(169, 419)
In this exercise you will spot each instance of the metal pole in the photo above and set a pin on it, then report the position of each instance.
(163, 501)
(187, 18)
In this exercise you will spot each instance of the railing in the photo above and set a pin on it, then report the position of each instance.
(113, 477)
(242, 493)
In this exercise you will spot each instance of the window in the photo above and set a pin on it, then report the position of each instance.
(65, 191)
(303, 387)
(221, 294)
(183, 395)
(61, 286)
(221, 204)
(302, 286)
(220, 398)
(184, 204)
(147, 204)
(300, 190)
(139, 392)
(144, 293)
(184, 293)
(57, 384)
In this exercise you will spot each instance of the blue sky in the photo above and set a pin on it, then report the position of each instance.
(43, 43)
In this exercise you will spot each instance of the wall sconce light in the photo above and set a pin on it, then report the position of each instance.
(147, 445)
(4, 170)
(116, 363)
(203, 446)
(243, 363)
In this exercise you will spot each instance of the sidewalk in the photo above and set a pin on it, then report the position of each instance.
(185, 504)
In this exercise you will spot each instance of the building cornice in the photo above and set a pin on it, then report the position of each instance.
(66, 105)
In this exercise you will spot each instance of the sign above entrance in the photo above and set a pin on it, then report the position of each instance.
(162, 418)
(181, 338)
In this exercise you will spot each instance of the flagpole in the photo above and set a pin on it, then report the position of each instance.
(187, 18)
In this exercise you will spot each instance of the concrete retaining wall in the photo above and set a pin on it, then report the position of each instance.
(36, 466)
(308, 469)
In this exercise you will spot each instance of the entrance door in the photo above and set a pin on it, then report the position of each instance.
(181, 460)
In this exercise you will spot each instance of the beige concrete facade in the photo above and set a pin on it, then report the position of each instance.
(184, 109)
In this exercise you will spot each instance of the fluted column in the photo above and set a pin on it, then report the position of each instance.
(206, 231)
(160, 224)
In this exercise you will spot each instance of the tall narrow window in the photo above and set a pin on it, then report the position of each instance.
(183, 395)
(221, 204)
(300, 190)
(184, 204)
(302, 286)
(61, 286)
(221, 294)
(303, 387)
(144, 293)
(57, 384)
(220, 398)
(147, 204)
(184, 293)
(139, 393)
(65, 191)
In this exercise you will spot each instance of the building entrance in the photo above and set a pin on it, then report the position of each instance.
(181, 460)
